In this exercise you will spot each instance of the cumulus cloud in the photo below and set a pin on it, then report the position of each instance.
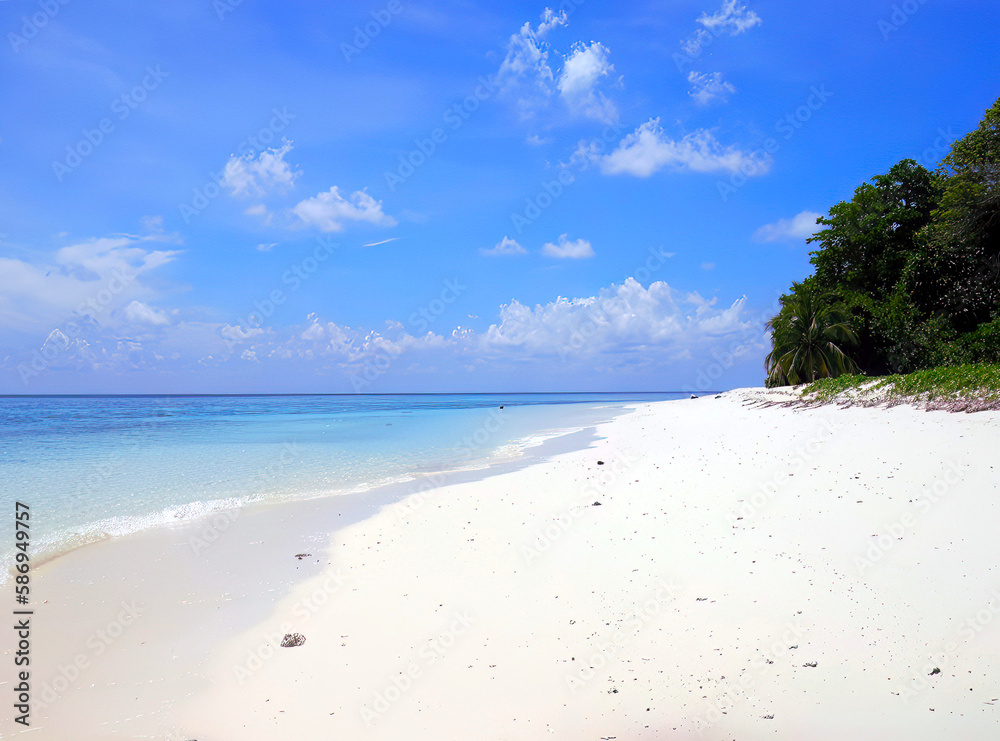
(139, 313)
(799, 227)
(96, 277)
(329, 210)
(564, 248)
(527, 60)
(648, 149)
(505, 247)
(582, 71)
(708, 87)
(258, 176)
(624, 330)
(526, 73)
(618, 319)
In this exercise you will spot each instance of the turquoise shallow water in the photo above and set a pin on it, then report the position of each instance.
(98, 467)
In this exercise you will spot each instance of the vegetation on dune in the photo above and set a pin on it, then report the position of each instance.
(907, 274)
(958, 384)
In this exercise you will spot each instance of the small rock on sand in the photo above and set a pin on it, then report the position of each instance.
(291, 640)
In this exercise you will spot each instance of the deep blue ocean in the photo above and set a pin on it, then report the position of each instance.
(93, 467)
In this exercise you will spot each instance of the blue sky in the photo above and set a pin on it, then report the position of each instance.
(442, 196)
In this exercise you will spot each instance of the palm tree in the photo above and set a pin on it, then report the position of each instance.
(807, 336)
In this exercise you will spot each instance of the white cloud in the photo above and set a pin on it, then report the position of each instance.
(708, 266)
(95, 277)
(799, 227)
(708, 87)
(383, 241)
(648, 150)
(620, 318)
(526, 74)
(566, 249)
(259, 176)
(329, 210)
(505, 246)
(582, 71)
(526, 61)
(732, 18)
(266, 247)
(140, 313)
(623, 329)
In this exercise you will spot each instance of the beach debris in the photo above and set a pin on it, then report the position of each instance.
(693, 396)
(701, 599)
(291, 640)
(811, 664)
(300, 556)
(934, 671)
(596, 504)
(600, 463)
(501, 406)
(767, 717)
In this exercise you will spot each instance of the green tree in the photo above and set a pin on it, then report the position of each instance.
(808, 337)
(958, 273)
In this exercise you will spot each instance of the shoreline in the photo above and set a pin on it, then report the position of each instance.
(726, 533)
(228, 509)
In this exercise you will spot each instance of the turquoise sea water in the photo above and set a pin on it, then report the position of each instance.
(98, 467)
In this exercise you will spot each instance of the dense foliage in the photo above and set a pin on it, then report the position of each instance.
(910, 266)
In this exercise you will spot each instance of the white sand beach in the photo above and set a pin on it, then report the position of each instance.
(730, 571)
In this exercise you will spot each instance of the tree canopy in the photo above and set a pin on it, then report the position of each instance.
(910, 265)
